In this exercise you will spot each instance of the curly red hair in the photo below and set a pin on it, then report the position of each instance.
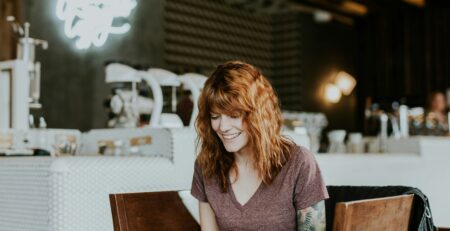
(239, 89)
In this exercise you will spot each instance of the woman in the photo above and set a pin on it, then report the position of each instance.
(436, 117)
(247, 176)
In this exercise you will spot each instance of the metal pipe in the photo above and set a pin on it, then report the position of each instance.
(404, 123)
(383, 133)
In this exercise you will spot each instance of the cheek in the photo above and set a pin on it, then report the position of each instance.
(239, 124)
(214, 125)
(246, 136)
(245, 140)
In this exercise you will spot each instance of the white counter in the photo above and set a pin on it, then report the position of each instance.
(425, 166)
(71, 193)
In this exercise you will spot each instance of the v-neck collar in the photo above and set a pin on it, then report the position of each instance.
(248, 202)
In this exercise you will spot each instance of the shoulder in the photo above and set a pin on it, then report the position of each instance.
(198, 166)
(302, 159)
(199, 172)
(301, 155)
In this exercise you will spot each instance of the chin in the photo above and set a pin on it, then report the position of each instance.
(232, 149)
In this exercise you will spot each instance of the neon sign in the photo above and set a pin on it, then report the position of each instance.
(91, 21)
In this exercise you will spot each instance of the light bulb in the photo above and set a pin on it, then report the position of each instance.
(345, 82)
(332, 93)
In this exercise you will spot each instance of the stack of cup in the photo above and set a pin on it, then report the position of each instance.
(354, 143)
(336, 138)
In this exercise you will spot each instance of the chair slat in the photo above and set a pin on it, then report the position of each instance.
(162, 211)
(387, 213)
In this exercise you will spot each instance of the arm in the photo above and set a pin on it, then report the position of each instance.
(207, 217)
(312, 218)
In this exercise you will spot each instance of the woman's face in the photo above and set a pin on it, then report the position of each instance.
(438, 104)
(231, 131)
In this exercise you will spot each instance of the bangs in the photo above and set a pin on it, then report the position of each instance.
(222, 102)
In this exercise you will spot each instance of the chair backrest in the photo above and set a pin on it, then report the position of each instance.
(386, 213)
(162, 211)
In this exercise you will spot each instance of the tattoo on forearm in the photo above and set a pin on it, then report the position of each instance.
(312, 218)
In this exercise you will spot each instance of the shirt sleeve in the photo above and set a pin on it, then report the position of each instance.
(198, 186)
(310, 187)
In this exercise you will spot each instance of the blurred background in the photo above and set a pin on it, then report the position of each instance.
(396, 50)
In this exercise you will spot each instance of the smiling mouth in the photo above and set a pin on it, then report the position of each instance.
(231, 136)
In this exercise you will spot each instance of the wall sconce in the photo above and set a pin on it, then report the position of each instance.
(332, 93)
(345, 82)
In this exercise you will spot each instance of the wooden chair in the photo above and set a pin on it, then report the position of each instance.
(387, 213)
(162, 211)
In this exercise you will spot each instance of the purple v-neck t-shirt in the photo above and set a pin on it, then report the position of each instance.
(298, 185)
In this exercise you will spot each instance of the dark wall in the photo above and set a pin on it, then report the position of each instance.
(7, 48)
(393, 54)
(328, 47)
(437, 37)
(404, 53)
(73, 87)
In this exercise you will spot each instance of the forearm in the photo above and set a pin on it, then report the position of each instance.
(312, 218)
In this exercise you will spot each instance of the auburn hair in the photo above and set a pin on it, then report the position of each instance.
(239, 89)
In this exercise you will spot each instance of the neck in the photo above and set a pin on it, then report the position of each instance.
(244, 157)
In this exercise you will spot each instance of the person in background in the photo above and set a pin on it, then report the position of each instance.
(247, 176)
(436, 115)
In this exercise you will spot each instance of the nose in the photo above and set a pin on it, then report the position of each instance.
(225, 124)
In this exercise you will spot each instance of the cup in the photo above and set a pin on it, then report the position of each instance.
(336, 138)
(355, 144)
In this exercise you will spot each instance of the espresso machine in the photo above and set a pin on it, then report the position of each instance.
(20, 80)
(125, 102)
(127, 105)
